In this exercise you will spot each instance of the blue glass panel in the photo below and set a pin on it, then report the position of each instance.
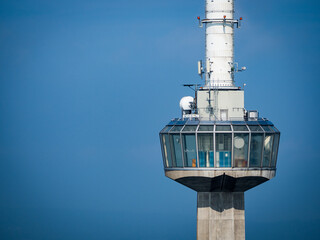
(238, 122)
(255, 128)
(176, 129)
(265, 122)
(250, 123)
(274, 129)
(205, 148)
(204, 128)
(222, 128)
(223, 122)
(166, 129)
(189, 148)
(206, 122)
(267, 128)
(240, 149)
(240, 128)
(223, 149)
(211, 157)
(181, 123)
(177, 156)
(167, 150)
(275, 150)
(206, 159)
(224, 159)
(172, 122)
(202, 159)
(192, 122)
(256, 150)
(268, 142)
(188, 128)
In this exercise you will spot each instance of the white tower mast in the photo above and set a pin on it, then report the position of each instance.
(220, 104)
(219, 43)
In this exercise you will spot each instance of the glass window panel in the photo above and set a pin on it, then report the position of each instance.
(240, 149)
(189, 148)
(166, 150)
(223, 149)
(177, 154)
(267, 151)
(205, 150)
(190, 128)
(266, 128)
(176, 129)
(274, 129)
(255, 128)
(223, 128)
(275, 150)
(208, 128)
(166, 129)
(240, 128)
(256, 150)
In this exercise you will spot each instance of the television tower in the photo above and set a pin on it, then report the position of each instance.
(217, 147)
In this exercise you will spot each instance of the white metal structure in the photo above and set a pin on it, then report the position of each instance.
(219, 25)
(219, 99)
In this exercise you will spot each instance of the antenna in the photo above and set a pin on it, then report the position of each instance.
(200, 68)
(208, 68)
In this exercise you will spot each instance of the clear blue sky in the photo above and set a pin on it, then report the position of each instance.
(85, 87)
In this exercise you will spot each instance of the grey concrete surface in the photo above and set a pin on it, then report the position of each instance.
(221, 180)
(220, 216)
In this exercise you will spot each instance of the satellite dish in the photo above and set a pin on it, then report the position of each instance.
(185, 103)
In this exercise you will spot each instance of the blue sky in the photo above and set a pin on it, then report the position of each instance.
(85, 87)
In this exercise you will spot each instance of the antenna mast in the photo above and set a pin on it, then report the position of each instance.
(219, 24)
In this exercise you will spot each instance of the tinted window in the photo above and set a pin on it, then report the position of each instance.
(205, 150)
(240, 149)
(256, 150)
(223, 149)
(189, 149)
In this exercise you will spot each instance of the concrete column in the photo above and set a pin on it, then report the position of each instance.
(220, 216)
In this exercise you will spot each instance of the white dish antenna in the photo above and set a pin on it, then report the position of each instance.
(186, 102)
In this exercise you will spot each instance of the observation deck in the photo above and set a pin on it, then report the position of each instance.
(220, 156)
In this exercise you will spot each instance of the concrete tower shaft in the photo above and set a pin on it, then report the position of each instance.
(219, 43)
